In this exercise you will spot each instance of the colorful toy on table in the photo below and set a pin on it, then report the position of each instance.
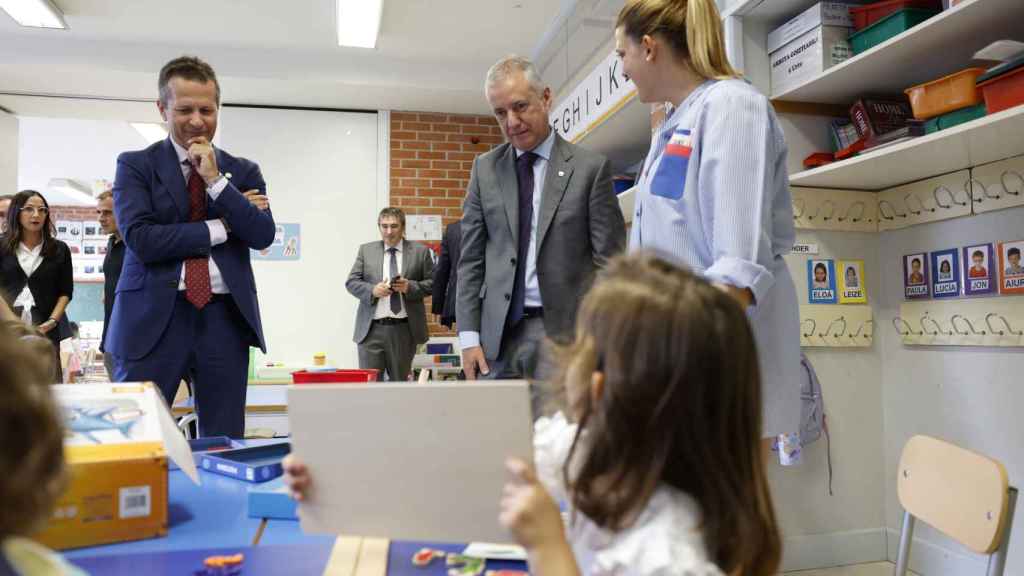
(427, 555)
(465, 565)
(222, 566)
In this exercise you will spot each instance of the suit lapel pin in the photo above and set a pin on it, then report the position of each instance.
(561, 173)
(227, 175)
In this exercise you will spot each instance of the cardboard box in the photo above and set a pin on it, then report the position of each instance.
(821, 14)
(118, 442)
(808, 55)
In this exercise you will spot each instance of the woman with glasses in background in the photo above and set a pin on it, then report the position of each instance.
(36, 279)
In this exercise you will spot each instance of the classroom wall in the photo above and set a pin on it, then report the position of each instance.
(431, 159)
(969, 396)
(8, 153)
(845, 527)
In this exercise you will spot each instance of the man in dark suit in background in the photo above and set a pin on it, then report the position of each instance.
(540, 218)
(390, 278)
(186, 301)
(446, 275)
(112, 262)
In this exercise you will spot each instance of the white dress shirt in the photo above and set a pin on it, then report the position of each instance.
(218, 233)
(383, 309)
(29, 259)
(532, 299)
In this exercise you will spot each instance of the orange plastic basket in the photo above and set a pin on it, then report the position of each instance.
(947, 94)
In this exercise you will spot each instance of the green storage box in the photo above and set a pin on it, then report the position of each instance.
(892, 25)
(954, 118)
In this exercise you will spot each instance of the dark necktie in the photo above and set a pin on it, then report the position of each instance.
(197, 270)
(396, 298)
(524, 174)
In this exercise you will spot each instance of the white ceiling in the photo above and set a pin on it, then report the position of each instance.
(431, 54)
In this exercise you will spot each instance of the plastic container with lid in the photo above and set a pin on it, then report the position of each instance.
(955, 118)
(1003, 86)
(892, 25)
(946, 94)
(334, 376)
(864, 16)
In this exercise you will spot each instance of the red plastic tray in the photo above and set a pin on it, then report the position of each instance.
(864, 16)
(1004, 92)
(338, 376)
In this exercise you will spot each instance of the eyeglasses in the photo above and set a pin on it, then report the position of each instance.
(34, 210)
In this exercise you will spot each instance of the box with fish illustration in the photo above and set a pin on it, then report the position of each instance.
(118, 438)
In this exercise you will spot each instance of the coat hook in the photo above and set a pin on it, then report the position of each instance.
(893, 209)
(861, 328)
(896, 324)
(988, 322)
(860, 215)
(952, 197)
(906, 200)
(814, 326)
(1002, 180)
(970, 325)
(803, 206)
(840, 320)
(831, 212)
(938, 327)
(969, 185)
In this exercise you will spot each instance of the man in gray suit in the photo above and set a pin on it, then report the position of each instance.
(390, 278)
(539, 219)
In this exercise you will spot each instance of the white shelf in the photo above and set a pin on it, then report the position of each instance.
(624, 136)
(940, 46)
(774, 12)
(981, 141)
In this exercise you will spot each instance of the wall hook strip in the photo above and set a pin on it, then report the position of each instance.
(840, 320)
(831, 212)
(949, 193)
(858, 217)
(938, 327)
(803, 206)
(814, 326)
(969, 185)
(892, 208)
(988, 322)
(896, 324)
(969, 325)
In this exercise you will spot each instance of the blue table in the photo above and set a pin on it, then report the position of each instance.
(212, 519)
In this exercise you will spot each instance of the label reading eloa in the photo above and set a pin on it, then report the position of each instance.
(811, 249)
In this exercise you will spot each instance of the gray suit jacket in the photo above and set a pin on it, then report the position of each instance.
(417, 268)
(580, 226)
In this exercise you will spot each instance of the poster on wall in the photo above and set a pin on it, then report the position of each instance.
(286, 246)
(852, 288)
(91, 230)
(94, 247)
(946, 273)
(70, 232)
(821, 282)
(1011, 273)
(423, 228)
(915, 276)
(979, 272)
(88, 268)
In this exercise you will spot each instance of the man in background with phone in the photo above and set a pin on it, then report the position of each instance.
(390, 279)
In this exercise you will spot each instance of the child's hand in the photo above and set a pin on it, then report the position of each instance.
(527, 509)
(297, 477)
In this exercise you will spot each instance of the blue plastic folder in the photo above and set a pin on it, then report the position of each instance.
(258, 464)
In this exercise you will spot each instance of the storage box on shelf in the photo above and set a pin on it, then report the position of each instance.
(887, 28)
(1003, 86)
(946, 94)
(865, 16)
(812, 42)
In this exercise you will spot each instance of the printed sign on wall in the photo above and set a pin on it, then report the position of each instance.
(979, 270)
(821, 282)
(915, 276)
(852, 288)
(946, 273)
(1011, 273)
(286, 245)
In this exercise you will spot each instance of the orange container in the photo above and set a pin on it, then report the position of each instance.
(947, 94)
(1005, 91)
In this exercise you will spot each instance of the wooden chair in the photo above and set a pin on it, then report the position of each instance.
(964, 495)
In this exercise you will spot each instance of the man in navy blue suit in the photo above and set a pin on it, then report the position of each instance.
(186, 302)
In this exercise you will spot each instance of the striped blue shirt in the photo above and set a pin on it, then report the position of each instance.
(714, 196)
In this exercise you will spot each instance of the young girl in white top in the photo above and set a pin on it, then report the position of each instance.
(661, 471)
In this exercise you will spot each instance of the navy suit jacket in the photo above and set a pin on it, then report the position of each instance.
(151, 203)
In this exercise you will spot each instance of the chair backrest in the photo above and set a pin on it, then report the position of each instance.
(956, 491)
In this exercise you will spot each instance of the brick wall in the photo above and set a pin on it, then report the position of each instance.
(431, 158)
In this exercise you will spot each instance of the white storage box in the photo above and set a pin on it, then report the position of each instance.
(821, 14)
(808, 55)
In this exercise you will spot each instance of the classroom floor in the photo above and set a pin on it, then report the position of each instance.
(873, 569)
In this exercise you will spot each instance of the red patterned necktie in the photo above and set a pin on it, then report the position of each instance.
(197, 270)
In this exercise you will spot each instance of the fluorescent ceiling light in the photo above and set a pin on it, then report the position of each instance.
(151, 132)
(72, 190)
(359, 22)
(34, 13)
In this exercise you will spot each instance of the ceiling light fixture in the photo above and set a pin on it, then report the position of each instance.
(151, 132)
(34, 13)
(359, 22)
